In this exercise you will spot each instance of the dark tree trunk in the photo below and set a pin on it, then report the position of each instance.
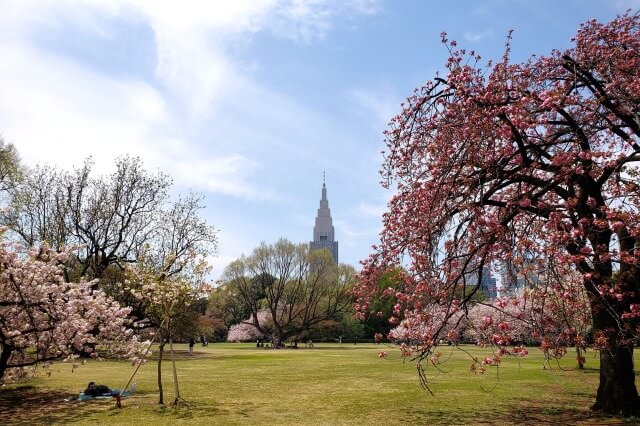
(160, 353)
(617, 393)
(278, 339)
(5, 354)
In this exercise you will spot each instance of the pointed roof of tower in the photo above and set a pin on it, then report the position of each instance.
(323, 231)
(324, 223)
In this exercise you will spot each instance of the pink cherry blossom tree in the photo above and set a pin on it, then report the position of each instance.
(501, 162)
(43, 318)
(245, 331)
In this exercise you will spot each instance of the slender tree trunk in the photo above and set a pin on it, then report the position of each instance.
(160, 353)
(176, 401)
(5, 354)
(579, 358)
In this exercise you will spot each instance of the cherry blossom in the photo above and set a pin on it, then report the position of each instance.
(532, 164)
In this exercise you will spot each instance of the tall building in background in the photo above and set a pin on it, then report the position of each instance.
(323, 232)
(528, 274)
(488, 283)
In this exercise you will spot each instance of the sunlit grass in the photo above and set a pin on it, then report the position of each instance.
(332, 384)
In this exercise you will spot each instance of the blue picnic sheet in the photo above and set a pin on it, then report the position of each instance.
(112, 394)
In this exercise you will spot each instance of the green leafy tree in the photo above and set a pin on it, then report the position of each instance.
(298, 287)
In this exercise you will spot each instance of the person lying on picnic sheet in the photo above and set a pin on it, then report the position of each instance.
(97, 390)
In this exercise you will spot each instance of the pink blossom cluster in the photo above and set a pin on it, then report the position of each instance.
(245, 331)
(428, 325)
(542, 316)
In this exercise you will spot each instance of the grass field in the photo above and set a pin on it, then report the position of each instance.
(331, 385)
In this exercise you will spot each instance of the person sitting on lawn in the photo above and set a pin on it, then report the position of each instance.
(97, 390)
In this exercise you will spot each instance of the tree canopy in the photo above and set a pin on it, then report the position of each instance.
(288, 288)
(524, 162)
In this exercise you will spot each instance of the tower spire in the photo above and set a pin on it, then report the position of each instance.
(324, 203)
(323, 231)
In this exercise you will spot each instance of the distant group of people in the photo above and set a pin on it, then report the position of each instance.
(282, 345)
(260, 344)
(192, 342)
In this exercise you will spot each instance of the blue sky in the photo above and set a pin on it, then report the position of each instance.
(249, 101)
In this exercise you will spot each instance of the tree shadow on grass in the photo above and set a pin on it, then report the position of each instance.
(553, 415)
(181, 355)
(207, 410)
(527, 413)
(199, 410)
(27, 405)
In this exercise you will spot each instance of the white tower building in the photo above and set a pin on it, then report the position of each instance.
(323, 232)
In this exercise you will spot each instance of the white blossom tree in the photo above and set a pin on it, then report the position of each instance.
(43, 317)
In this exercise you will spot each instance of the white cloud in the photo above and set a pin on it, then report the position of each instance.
(380, 105)
(228, 175)
(624, 5)
(371, 210)
(190, 42)
(59, 110)
(475, 37)
(218, 263)
(350, 232)
(55, 111)
(305, 20)
(194, 38)
(81, 112)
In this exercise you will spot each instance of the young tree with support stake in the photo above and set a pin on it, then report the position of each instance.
(540, 156)
(166, 301)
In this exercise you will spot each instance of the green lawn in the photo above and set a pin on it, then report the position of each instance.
(332, 385)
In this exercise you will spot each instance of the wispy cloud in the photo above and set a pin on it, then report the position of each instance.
(194, 39)
(230, 175)
(348, 231)
(217, 264)
(59, 112)
(305, 20)
(475, 37)
(64, 114)
(59, 109)
(623, 5)
(370, 210)
(380, 105)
